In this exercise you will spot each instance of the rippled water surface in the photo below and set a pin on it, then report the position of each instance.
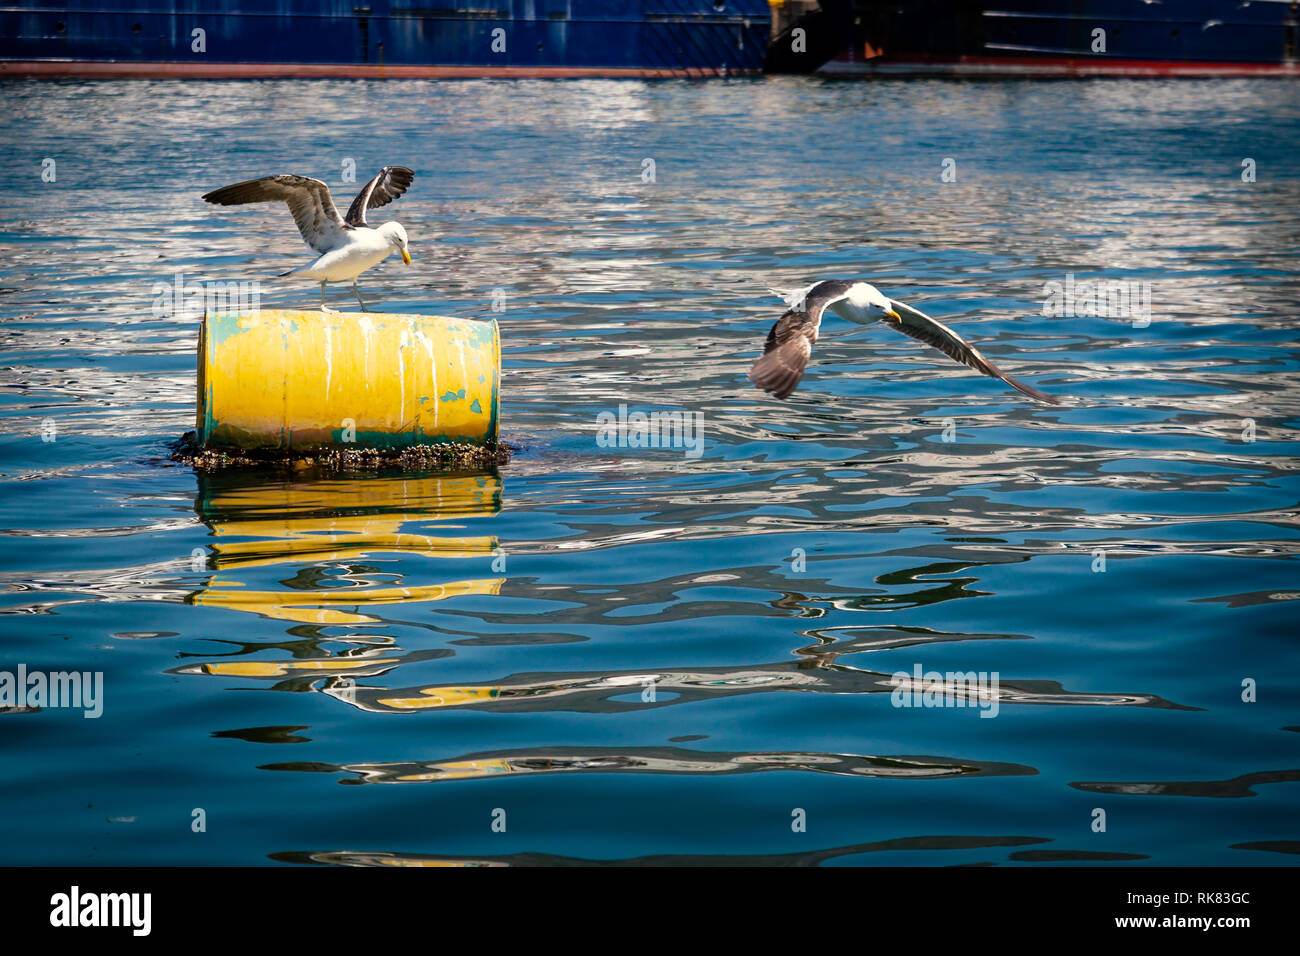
(639, 655)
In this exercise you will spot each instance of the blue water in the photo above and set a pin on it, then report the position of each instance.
(639, 655)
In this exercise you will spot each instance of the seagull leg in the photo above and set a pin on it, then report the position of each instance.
(359, 299)
(323, 307)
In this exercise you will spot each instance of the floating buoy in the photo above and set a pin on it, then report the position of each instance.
(295, 381)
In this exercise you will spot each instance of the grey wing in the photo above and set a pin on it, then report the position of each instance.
(932, 332)
(309, 200)
(785, 354)
(389, 183)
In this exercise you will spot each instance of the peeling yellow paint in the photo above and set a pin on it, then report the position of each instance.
(301, 380)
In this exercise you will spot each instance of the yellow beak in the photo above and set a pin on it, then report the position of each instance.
(406, 256)
(891, 314)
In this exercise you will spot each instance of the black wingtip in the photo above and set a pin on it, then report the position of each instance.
(771, 374)
(1032, 392)
(230, 195)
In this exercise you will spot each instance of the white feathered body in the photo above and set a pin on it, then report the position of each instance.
(362, 249)
(863, 304)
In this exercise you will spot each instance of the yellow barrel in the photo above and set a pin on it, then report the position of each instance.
(280, 379)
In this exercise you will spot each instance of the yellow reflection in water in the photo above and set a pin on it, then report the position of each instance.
(338, 520)
(432, 697)
(289, 605)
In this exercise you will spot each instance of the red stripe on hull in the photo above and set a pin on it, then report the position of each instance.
(300, 71)
(1005, 66)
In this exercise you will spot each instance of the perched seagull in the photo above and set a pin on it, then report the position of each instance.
(347, 245)
(789, 344)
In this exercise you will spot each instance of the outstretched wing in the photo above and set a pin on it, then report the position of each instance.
(790, 341)
(309, 200)
(785, 356)
(389, 183)
(932, 332)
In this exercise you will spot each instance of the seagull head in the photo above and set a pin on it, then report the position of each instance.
(865, 297)
(396, 236)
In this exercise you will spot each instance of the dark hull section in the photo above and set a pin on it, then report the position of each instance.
(1071, 38)
(332, 38)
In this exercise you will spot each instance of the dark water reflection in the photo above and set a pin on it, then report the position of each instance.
(652, 760)
(640, 656)
(807, 858)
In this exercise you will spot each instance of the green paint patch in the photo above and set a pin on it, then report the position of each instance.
(476, 408)
(222, 326)
(484, 332)
(453, 396)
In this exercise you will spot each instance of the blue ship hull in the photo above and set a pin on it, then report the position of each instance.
(382, 38)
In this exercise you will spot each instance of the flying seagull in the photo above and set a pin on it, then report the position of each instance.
(789, 343)
(348, 246)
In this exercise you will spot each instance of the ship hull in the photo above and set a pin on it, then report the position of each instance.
(457, 38)
(1072, 38)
